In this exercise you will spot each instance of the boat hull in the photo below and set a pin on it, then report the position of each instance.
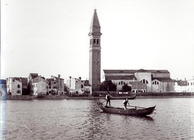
(136, 111)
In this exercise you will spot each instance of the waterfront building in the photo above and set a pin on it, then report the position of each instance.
(75, 85)
(24, 81)
(184, 85)
(55, 85)
(137, 87)
(181, 86)
(39, 86)
(190, 85)
(3, 88)
(85, 86)
(151, 80)
(95, 53)
(14, 85)
(78, 86)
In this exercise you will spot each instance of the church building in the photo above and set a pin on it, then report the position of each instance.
(142, 80)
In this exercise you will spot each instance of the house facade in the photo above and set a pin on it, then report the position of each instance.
(190, 85)
(39, 86)
(3, 88)
(79, 86)
(55, 85)
(74, 85)
(14, 86)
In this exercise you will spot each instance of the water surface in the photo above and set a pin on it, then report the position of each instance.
(82, 119)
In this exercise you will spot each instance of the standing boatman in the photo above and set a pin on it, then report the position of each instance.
(125, 102)
(108, 99)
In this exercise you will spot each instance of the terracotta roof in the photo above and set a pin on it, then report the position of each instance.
(133, 71)
(33, 75)
(120, 71)
(120, 77)
(165, 79)
(153, 71)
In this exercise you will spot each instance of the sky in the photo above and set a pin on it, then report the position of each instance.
(50, 37)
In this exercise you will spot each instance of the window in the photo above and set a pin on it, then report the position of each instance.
(94, 41)
(18, 86)
(155, 83)
(144, 81)
(18, 91)
(97, 41)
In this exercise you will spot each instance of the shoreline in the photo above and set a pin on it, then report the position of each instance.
(62, 97)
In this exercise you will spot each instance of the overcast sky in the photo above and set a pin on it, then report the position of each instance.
(50, 37)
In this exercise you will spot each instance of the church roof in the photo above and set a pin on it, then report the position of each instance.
(163, 79)
(119, 71)
(153, 71)
(120, 77)
(134, 71)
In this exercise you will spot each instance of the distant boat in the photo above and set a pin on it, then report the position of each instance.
(135, 111)
(132, 97)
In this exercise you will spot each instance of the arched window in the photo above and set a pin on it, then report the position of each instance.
(94, 41)
(97, 41)
(144, 81)
(155, 83)
(18, 86)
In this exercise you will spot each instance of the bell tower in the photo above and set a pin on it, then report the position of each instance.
(95, 53)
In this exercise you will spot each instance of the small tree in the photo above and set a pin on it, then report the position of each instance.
(126, 88)
(107, 85)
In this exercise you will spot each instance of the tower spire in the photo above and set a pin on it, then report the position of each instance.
(95, 25)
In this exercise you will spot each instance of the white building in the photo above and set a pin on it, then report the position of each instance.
(76, 85)
(39, 86)
(190, 87)
(14, 86)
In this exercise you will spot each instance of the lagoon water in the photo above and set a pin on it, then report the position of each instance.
(82, 119)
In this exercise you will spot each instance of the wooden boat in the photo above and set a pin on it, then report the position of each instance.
(134, 111)
(132, 97)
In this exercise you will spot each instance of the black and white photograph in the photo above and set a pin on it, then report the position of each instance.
(97, 70)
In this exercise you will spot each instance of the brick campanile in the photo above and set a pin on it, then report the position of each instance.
(95, 53)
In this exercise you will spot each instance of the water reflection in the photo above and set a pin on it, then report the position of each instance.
(146, 118)
(94, 123)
